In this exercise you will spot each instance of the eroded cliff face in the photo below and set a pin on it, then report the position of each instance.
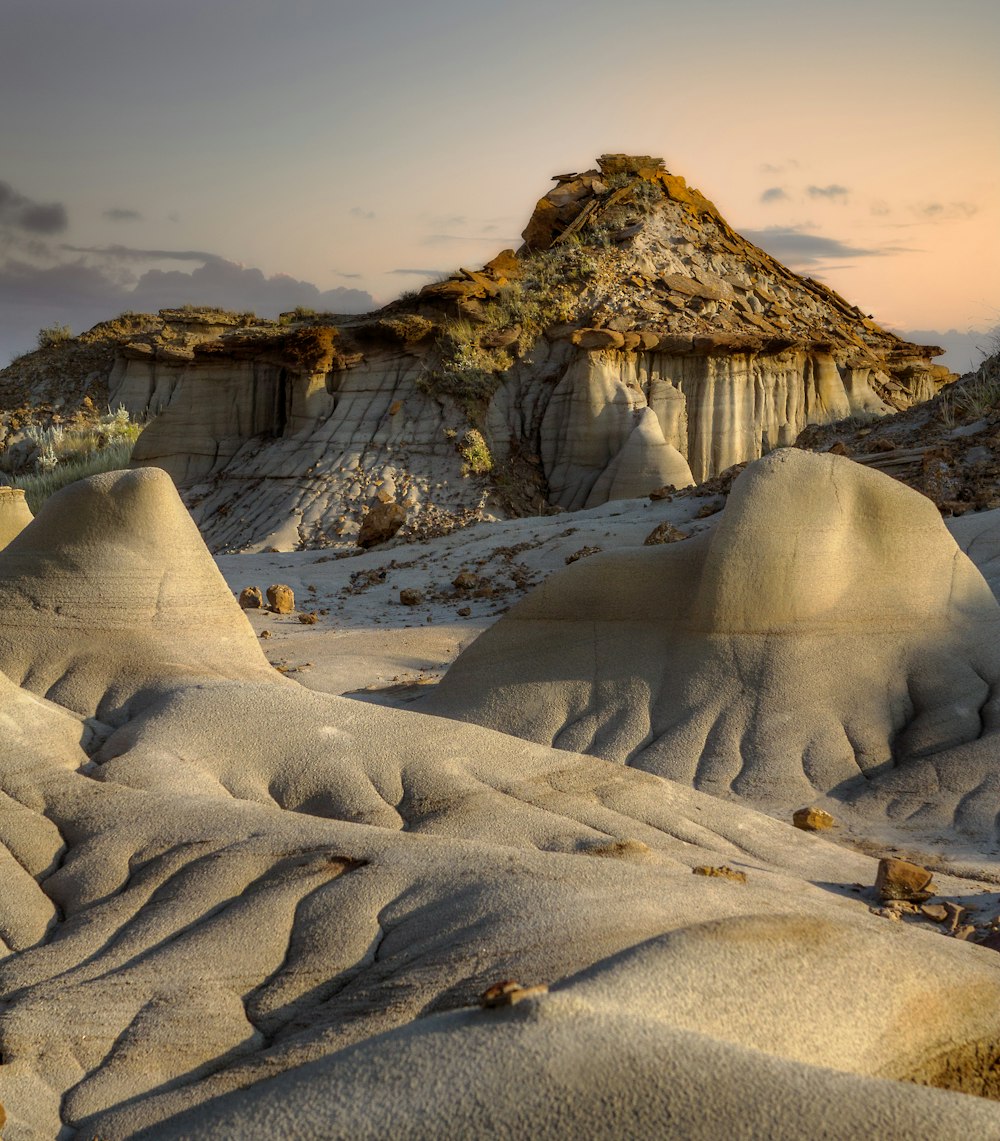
(634, 341)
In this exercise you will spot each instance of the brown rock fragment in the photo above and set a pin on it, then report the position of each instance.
(410, 596)
(308, 618)
(280, 598)
(812, 819)
(598, 339)
(899, 879)
(251, 598)
(465, 580)
(663, 533)
(508, 992)
(936, 912)
(381, 523)
(723, 872)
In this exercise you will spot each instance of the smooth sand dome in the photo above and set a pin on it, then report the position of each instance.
(111, 589)
(15, 514)
(827, 628)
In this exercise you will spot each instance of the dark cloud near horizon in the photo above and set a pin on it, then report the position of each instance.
(22, 213)
(359, 212)
(774, 194)
(797, 247)
(80, 293)
(833, 192)
(121, 214)
(963, 352)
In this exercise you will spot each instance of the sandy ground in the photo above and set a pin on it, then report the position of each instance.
(364, 638)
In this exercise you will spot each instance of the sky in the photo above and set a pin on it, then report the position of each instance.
(258, 155)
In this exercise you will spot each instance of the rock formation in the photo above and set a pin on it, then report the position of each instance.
(15, 514)
(634, 341)
(826, 636)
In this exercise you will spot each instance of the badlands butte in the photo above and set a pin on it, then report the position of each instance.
(617, 753)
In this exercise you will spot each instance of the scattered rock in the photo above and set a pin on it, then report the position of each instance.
(308, 618)
(619, 850)
(280, 598)
(582, 553)
(666, 492)
(936, 912)
(966, 933)
(813, 819)
(465, 580)
(251, 598)
(723, 872)
(464, 611)
(509, 993)
(381, 523)
(410, 596)
(265, 633)
(953, 914)
(664, 533)
(899, 879)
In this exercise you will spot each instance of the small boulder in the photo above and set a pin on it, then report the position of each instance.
(509, 993)
(251, 598)
(465, 580)
(381, 523)
(663, 533)
(899, 879)
(813, 819)
(280, 598)
(410, 596)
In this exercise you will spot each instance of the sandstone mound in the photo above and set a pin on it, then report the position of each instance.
(110, 590)
(15, 514)
(824, 632)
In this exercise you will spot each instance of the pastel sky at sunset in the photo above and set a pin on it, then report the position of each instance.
(262, 155)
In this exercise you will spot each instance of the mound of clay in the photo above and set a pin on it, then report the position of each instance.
(111, 590)
(15, 514)
(826, 630)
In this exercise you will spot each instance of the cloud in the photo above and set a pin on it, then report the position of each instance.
(880, 208)
(945, 211)
(22, 213)
(134, 253)
(774, 194)
(834, 192)
(797, 247)
(420, 272)
(358, 212)
(344, 273)
(120, 214)
(777, 168)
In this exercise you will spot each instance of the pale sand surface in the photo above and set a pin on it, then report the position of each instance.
(239, 907)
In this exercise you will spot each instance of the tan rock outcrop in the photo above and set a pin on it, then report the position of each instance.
(15, 514)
